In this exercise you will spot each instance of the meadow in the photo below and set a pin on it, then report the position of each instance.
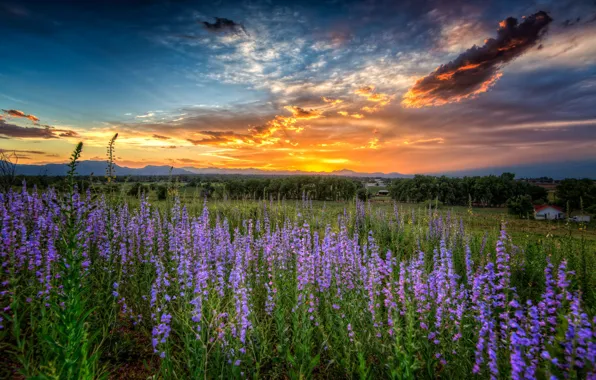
(114, 286)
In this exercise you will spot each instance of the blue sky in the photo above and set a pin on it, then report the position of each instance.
(321, 85)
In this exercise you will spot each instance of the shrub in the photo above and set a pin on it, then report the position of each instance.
(162, 193)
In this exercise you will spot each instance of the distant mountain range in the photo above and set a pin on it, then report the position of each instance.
(98, 168)
(559, 170)
(252, 171)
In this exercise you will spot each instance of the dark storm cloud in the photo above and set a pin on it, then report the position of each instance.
(475, 70)
(224, 25)
(46, 132)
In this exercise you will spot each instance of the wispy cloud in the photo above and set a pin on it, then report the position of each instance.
(545, 125)
(145, 116)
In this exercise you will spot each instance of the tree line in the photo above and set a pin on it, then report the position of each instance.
(577, 194)
(487, 191)
(292, 187)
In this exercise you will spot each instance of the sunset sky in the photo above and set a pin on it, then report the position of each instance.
(391, 86)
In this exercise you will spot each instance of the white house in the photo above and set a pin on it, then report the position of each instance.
(548, 212)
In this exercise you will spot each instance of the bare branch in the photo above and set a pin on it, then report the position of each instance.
(8, 169)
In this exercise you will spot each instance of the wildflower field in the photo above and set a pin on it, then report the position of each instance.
(101, 286)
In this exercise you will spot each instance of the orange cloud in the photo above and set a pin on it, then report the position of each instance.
(301, 113)
(382, 99)
(373, 143)
(448, 75)
(365, 91)
(369, 93)
(333, 102)
(354, 115)
(17, 113)
(372, 109)
(273, 132)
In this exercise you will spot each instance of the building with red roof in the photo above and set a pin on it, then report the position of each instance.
(548, 212)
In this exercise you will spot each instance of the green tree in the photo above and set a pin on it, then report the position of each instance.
(520, 205)
(363, 194)
(162, 193)
(573, 192)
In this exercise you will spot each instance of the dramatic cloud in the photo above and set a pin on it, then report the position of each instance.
(274, 131)
(224, 25)
(476, 70)
(17, 113)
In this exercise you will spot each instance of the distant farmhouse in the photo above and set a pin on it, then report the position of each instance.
(548, 212)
